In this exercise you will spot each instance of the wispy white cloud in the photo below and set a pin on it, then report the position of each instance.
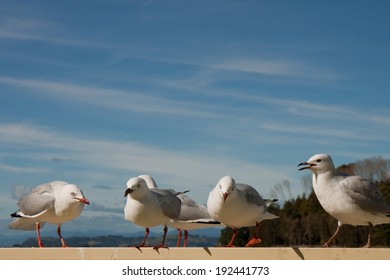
(216, 68)
(337, 121)
(316, 112)
(34, 29)
(192, 168)
(375, 118)
(312, 130)
(21, 169)
(20, 29)
(275, 68)
(113, 98)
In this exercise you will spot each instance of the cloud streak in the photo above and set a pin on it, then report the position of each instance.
(292, 117)
(20, 169)
(129, 156)
(113, 98)
(146, 103)
(32, 29)
(292, 69)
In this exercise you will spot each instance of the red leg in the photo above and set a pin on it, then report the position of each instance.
(178, 237)
(38, 229)
(185, 238)
(162, 244)
(255, 239)
(144, 241)
(235, 231)
(60, 236)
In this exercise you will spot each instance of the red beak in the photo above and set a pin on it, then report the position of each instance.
(84, 200)
(225, 195)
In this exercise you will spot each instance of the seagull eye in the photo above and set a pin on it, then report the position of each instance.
(220, 187)
(73, 194)
(318, 160)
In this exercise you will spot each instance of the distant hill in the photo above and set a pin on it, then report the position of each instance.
(119, 241)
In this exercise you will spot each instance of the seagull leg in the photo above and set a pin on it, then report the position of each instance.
(162, 244)
(370, 228)
(333, 236)
(185, 238)
(60, 236)
(38, 229)
(144, 241)
(178, 237)
(235, 231)
(255, 239)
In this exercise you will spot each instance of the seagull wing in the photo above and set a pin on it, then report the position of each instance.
(169, 203)
(251, 195)
(38, 201)
(365, 194)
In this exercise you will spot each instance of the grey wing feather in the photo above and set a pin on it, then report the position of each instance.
(169, 203)
(25, 224)
(251, 195)
(367, 195)
(191, 210)
(187, 201)
(40, 199)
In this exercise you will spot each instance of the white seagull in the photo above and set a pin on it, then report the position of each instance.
(350, 199)
(192, 214)
(150, 207)
(237, 206)
(55, 202)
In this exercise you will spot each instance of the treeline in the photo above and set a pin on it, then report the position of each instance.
(303, 222)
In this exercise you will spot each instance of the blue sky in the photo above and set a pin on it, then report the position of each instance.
(186, 91)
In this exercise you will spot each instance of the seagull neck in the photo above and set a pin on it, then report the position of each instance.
(323, 175)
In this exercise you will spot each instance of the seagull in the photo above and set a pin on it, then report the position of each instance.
(192, 214)
(237, 206)
(150, 207)
(55, 202)
(350, 199)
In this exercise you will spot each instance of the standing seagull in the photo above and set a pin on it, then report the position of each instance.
(150, 207)
(350, 199)
(192, 214)
(55, 202)
(237, 206)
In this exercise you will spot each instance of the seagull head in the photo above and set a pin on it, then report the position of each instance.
(77, 194)
(319, 163)
(226, 186)
(136, 186)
